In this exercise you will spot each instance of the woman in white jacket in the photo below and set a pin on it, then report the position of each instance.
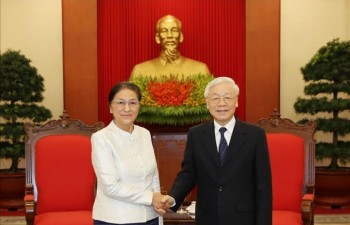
(128, 189)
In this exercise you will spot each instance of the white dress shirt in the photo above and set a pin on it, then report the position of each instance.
(127, 175)
(229, 130)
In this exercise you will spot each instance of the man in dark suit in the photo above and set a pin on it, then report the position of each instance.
(230, 166)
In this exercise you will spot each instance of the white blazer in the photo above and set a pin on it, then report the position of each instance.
(127, 175)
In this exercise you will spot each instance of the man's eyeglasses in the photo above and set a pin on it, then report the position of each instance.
(120, 103)
(216, 100)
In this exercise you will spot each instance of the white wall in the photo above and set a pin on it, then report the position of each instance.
(306, 25)
(35, 28)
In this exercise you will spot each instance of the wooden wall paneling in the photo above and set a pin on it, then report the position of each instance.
(79, 20)
(262, 58)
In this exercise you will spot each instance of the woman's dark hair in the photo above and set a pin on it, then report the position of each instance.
(124, 85)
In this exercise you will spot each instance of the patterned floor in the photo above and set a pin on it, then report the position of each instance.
(12, 220)
(340, 219)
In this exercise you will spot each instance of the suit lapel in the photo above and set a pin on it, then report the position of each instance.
(208, 137)
(237, 139)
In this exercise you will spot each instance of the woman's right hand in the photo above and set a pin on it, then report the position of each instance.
(161, 203)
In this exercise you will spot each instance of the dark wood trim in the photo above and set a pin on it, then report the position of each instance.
(79, 20)
(262, 58)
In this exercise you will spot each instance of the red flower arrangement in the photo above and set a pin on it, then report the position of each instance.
(173, 100)
(170, 93)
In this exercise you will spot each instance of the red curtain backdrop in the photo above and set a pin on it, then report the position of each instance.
(214, 33)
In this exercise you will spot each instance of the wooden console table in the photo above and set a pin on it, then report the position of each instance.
(169, 150)
(172, 218)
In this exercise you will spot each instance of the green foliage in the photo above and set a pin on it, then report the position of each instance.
(327, 77)
(21, 88)
(193, 109)
(180, 115)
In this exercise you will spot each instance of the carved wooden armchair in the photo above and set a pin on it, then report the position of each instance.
(60, 180)
(292, 155)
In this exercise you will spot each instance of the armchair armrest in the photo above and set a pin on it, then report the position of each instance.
(307, 209)
(29, 204)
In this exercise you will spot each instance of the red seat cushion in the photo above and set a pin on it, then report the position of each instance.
(64, 218)
(287, 165)
(286, 218)
(64, 174)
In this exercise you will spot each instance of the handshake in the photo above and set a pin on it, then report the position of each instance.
(161, 203)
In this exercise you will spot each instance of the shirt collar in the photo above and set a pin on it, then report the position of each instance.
(229, 126)
(119, 131)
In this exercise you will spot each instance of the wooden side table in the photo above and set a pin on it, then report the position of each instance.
(172, 218)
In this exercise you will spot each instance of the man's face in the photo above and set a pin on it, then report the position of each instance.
(222, 103)
(169, 34)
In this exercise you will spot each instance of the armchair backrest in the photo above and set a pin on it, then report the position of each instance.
(58, 164)
(292, 155)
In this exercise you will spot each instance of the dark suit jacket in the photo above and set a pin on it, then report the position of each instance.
(239, 192)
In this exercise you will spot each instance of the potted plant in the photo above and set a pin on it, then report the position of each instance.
(327, 77)
(21, 88)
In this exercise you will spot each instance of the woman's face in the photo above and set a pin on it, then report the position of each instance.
(125, 108)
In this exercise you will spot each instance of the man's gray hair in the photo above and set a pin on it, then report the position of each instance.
(220, 80)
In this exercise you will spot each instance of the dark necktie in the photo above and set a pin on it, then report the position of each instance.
(223, 144)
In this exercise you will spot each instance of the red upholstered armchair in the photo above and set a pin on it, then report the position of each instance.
(292, 155)
(60, 181)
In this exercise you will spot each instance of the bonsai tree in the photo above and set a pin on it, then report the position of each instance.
(328, 84)
(21, 88)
